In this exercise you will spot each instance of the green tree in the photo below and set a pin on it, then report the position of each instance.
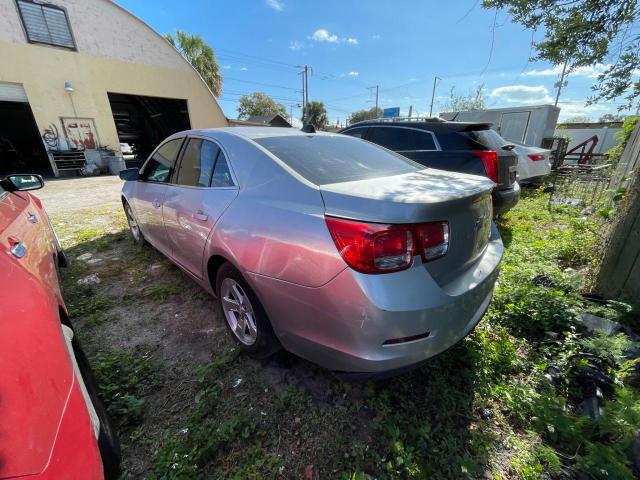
(315, 114)
(584, 33)
(578, 119)
(360, 115)
(258, 103)
(201, 56)
(610, 117)
(475, 100)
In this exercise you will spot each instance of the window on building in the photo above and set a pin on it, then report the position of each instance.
(45, 23)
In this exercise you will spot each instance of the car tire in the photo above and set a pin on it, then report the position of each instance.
(108, 441)
(134, 226)
(248, 324)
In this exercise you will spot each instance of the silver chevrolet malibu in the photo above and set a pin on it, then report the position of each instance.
(336, 249)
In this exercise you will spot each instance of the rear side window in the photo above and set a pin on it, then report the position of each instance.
(393, 138)
(423, 140)
(161, 163)
(334, 159)
(222, 174)
(197, 163)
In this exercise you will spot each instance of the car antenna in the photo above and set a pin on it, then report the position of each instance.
(308, 128)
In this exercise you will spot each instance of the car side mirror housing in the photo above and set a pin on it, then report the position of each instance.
(130, 174)
(22, 183)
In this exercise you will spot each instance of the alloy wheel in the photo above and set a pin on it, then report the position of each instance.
(238, 311)
(133, 224)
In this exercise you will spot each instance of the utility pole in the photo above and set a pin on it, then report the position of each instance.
(410, 110)
(562, 82)
(377, 87)
(305, 86)
(433, 94)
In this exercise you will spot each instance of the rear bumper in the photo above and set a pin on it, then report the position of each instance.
(505, 200)
(346, 324)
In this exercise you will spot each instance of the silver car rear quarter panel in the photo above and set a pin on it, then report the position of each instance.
(343, 324)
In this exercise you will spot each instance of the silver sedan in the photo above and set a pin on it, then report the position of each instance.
(338, 250)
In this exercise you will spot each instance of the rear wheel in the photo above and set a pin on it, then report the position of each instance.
(244, 315)
(134, 227)
(108, 442)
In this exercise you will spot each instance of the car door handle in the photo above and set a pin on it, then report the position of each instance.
(200, 215)
(156, 203)
(19, 249)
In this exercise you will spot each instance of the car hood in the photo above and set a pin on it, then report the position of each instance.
(37, 373)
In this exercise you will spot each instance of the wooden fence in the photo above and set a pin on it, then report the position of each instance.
(619, 275)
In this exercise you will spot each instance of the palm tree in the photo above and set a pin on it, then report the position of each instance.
(201, 56)
(315, 114)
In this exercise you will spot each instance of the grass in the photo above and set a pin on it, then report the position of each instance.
(485, 409)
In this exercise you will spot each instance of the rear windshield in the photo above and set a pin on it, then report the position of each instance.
(484, 139)
(335, 159)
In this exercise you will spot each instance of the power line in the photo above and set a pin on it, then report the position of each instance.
(260, 83)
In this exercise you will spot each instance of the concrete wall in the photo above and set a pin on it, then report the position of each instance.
(117, 53)
(606, 136)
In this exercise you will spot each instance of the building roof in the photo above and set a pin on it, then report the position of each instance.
(276, 120)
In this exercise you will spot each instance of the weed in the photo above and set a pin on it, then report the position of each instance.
(124, 379)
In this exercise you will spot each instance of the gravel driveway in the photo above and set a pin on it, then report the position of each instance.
(78, 193)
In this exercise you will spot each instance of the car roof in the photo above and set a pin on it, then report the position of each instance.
(431, 125)
(254, 133)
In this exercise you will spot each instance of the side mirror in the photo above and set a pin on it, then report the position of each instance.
(130, 174)
(22, 183)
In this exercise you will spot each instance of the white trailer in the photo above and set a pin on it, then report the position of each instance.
(529, 125)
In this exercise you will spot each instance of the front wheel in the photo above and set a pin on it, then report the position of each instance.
(134, 227)
(244, 315)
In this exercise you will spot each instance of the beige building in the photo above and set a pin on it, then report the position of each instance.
(88, 74)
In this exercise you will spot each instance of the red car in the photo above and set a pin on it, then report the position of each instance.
(52, 423)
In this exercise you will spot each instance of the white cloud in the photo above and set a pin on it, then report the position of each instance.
(591, 71)
(243, 69)
(521, 94)
(353, 74)
(296, 45)
(323, 35)
(573, 108)
(277, 5)
(226, 67)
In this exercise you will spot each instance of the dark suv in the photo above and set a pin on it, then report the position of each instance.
(455, 146)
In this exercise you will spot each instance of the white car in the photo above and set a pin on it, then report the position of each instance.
(533, 163)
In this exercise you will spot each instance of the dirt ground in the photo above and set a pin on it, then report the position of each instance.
(61, 195)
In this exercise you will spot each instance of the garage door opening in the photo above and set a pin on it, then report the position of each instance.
(143, 122)
(21, 148)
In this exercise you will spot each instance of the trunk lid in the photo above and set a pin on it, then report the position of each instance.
(423, 196)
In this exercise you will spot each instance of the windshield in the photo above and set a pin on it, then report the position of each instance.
(324, 159)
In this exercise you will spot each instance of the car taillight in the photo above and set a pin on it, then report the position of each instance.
(433, 239)
(383, 248)
(536, 157)
(490, 161)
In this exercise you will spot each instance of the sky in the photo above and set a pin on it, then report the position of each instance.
(352, 46)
